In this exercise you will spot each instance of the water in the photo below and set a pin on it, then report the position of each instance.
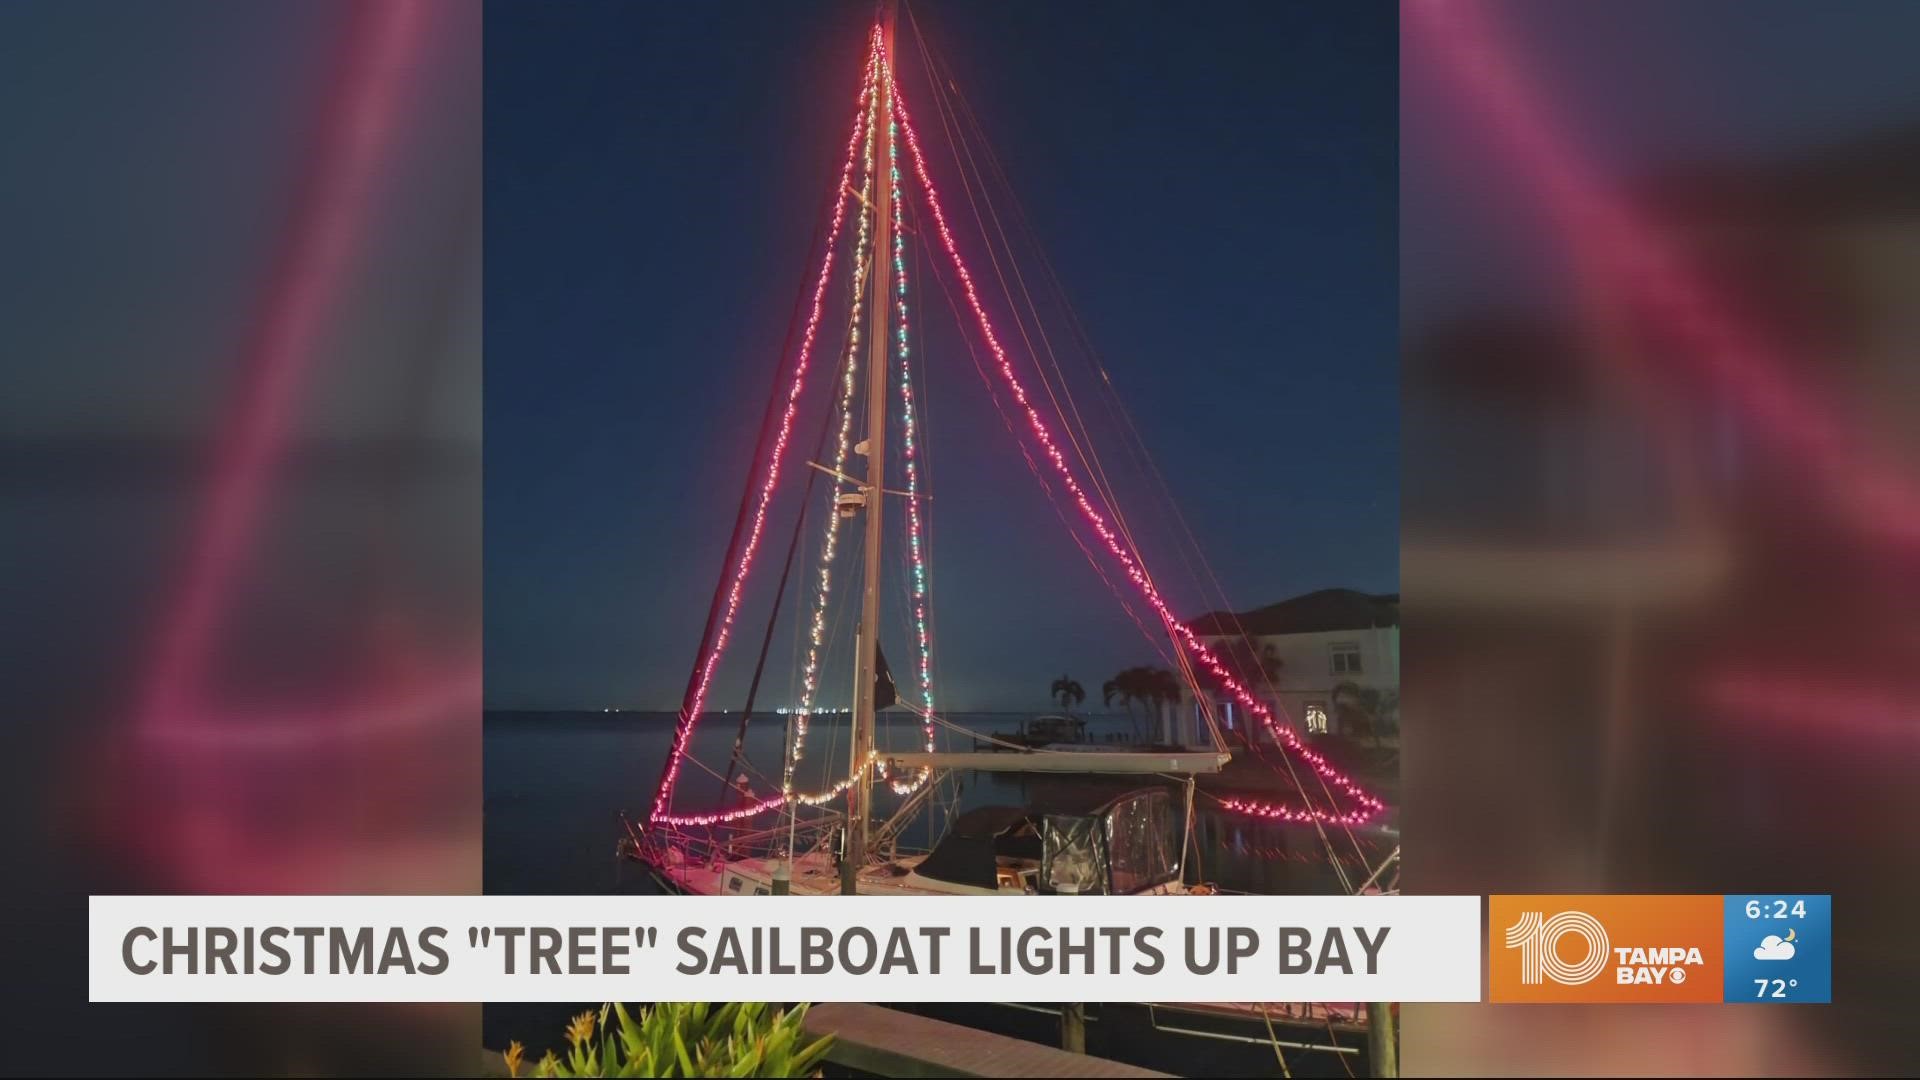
(556, 782)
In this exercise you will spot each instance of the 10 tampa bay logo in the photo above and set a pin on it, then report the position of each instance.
(1605, 948)
(1538, 940)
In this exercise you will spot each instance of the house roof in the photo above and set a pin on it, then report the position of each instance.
(1314, 612)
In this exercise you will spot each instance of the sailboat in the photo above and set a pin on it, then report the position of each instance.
(827, 839)
(1099, 818)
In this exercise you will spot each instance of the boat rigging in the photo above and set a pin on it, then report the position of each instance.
(722, 850)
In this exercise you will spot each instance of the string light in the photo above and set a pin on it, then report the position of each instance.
(1367, 806)
(810, 674)
(865, 123)
(1271, 811)
(916, 546)
(879, 77)
(690, 712)
(773, 802)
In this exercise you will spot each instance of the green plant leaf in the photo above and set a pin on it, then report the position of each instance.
(730, 1039)
(808, 1059)
(680, 1051)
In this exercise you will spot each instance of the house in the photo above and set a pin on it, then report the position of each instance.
(1311, 655)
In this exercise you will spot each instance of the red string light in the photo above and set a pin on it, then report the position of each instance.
(1367, 806)
(690, 713)
(823, 586)
(877, 74)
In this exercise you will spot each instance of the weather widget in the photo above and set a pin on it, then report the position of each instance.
(1779, 948)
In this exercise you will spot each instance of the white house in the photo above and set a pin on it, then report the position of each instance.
(1324, 642)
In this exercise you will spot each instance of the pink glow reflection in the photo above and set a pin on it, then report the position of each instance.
(263, 795)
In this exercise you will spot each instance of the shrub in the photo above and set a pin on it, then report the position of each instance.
(684, 1039)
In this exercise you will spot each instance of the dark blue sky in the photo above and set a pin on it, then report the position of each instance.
(1215, 185)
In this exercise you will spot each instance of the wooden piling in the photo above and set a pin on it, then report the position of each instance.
(1383, 1050)
(1073, 1028)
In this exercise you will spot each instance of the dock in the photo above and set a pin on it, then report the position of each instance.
(886, 1042)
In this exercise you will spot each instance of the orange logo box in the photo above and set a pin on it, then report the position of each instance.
(1605, 948)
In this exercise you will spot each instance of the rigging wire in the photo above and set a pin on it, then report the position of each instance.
(1079, 436)
(945, 792)
(1079, 441)
(861, 260)
(824, 583)
(1076, 429)
(918, 598)
(718, 629)
(1072, 424)
(1366, 805)
(1033, 466)
(1136, 443)
(738, 757)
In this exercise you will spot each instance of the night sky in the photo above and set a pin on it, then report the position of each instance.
(1216, 187)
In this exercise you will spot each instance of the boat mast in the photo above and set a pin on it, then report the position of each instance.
(860, 794)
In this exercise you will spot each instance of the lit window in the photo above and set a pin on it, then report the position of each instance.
(1316, 718)
(1346, 658)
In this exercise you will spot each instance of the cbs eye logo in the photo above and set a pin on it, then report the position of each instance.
(1539, 939)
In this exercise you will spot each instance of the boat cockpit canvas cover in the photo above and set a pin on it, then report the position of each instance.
(1140, 851)
(969, 853)
(1125, 846)
(1075, 855)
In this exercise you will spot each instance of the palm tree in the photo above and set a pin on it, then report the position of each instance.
(1163, 686)
(1149, 686)
(1163, 690)
(1116, 687)
(1126, 687)
(1068, 692)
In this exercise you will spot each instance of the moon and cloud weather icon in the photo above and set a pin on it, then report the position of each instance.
(1775, 947)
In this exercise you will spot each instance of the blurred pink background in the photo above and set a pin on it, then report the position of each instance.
(1661, 549)
(241, 486)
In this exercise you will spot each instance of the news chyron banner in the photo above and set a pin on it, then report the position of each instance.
(1762, 948)
(1587, 949)
(783, 948)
